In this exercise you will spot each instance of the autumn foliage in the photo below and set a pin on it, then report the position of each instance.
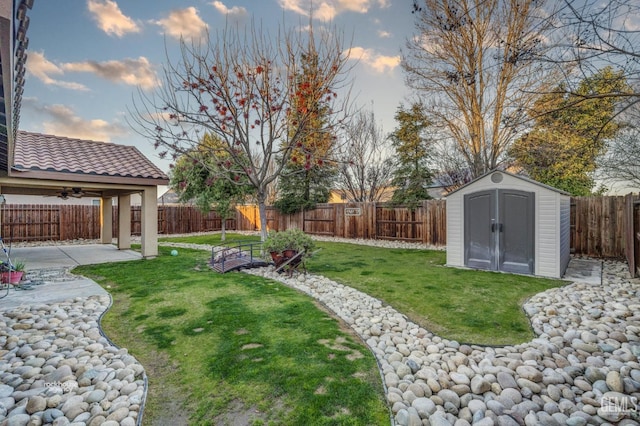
(243, 87)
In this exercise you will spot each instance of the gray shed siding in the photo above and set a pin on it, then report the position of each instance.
(455, 231)
(551, 236)
(547, 231)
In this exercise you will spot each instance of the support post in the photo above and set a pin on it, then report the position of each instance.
(149, 226)
(124, 222)
(106, 220)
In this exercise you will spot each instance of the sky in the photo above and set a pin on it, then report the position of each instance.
(87, 59)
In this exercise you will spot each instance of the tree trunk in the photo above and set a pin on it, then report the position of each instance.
(223, 229)
(262, 209)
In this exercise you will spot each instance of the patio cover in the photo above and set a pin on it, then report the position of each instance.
(47, 164)
(37, 164)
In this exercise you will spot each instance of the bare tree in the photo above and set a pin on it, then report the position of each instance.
(451, 171)
(366, 168)
(242, 86)
(592, 34)
(473, 64)
(621, 162)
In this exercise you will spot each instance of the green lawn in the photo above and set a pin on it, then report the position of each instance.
(221, 348)
(211, 239)
(464, 305)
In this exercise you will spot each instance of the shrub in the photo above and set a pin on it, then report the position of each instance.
(291, 239)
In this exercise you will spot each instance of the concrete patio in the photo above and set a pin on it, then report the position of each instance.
(47, 269)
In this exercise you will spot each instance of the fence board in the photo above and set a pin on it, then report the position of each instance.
(247, 218)
(320, 221)
(340, 226)
(599, 225)
(425, 224)
(636, 238)
(632, 232)
(24, 222)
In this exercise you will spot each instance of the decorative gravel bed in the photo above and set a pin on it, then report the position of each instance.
(583, 368)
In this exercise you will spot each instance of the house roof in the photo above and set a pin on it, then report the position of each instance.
(36, 152)
(169, 197)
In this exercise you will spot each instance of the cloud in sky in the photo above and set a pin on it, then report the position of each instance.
(129, 71)
(63, 121)
(44, 70)
(379, 63)
(293, 6)
(328, 9)
(235, 12)
(629, 20)
(134, 72)
(183, 23)
(110, 18)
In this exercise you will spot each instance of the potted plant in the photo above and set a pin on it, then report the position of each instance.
(288, 243)
(12, 273)
(275, 244)
(298, 241)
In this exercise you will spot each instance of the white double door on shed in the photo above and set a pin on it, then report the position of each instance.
(499, 230)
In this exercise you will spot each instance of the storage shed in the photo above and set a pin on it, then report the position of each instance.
(504, 222)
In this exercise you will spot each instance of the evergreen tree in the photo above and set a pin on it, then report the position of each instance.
(412, 176)
(308, 175)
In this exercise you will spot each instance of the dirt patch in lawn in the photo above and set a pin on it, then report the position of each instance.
(167, 401)
(238, 414)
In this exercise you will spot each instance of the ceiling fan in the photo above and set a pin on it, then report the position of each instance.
(75, 192)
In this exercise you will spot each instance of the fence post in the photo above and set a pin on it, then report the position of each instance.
(374, 220)
(426, 222)
(630, 234)
(61, 221)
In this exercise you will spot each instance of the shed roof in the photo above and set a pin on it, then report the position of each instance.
(524, 178)
(38, 153)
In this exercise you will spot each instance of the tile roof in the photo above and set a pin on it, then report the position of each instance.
(48, 153)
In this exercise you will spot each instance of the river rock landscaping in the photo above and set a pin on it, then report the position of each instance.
(57, 368)
(582, 369)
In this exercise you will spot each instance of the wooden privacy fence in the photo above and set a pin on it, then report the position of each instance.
(632, 232)
(425, 224)
(598, 226)
(42, 222)
(606, 227)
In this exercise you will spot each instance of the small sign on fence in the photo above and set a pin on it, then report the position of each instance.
(353, 211)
